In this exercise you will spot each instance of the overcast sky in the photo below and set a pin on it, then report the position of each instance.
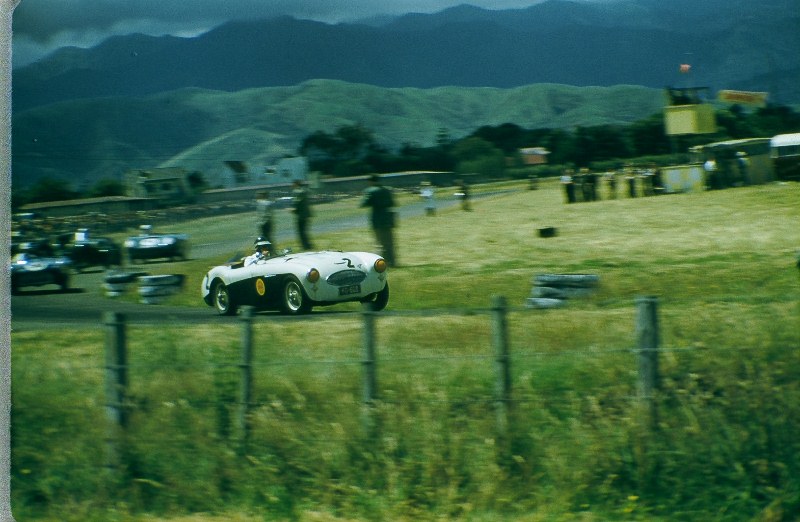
(40, 26)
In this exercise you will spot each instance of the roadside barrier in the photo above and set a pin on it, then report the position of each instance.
(116, 283)
(154, 289)
(553, 290)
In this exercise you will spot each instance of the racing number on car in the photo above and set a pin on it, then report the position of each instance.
(260, 288)
(348, 262)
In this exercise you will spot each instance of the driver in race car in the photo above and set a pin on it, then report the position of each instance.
(263, 251)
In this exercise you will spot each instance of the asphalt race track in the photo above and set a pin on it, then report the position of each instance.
(85, 304)
(37, 308)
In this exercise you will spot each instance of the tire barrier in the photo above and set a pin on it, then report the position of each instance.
(116, 283)
(154, 289)
(553, 290)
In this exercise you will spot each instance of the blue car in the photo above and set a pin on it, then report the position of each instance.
(31, 270)
(149, 245)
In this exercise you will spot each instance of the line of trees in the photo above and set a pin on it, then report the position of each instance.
(352, 150)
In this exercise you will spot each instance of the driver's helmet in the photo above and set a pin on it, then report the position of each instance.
(260, 244)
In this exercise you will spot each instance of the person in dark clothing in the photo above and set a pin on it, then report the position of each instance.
(381, 201)
(302, 211)
(266, 214)
(463, 186)
(568, 182)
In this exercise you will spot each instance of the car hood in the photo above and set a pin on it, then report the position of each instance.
(327, 260)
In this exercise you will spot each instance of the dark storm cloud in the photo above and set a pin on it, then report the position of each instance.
(41, 26)
(41, 19)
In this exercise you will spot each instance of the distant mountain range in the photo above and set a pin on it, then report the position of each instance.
(199, 129)
(138, 101)
(731, 44)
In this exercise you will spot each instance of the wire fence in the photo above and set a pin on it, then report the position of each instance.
(155, 393)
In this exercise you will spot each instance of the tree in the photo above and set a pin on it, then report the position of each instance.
(107, 187)
(196, 181)
(475, 155)
(350, 151)
(507, 137)
(50, 189)
(647, 137)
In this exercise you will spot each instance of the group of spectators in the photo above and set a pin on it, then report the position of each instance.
(586, 185)
(377, 197)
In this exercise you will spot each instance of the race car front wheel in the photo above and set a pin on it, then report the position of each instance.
(380, 300)
(222, 300)
(294, 300)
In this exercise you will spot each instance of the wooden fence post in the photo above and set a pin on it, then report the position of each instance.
(647, 340)
(116, 382)
(369, 362)
(246, 369)
(502, 362)
(370, 370)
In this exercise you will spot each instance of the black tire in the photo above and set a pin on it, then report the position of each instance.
(294, 300)
(222, 299)
(380, 300)
(63, 282)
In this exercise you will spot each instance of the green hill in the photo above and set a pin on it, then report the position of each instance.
(91, 139)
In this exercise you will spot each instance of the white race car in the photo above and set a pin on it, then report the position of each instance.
(294, 283)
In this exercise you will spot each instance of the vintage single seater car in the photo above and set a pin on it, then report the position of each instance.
(150, 245)
(295, 283)
(31, 270)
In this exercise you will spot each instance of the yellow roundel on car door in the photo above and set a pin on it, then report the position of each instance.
(260, 287)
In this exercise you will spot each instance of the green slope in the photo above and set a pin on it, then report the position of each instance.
(86, 140)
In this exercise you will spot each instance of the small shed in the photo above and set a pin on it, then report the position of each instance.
(534, 155)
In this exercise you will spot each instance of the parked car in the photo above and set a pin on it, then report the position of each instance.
(295, 283)
(31, 270)
(150, 245)
(99, 251)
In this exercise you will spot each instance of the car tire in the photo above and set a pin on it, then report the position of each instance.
(63, 282)
(222, 300)
(380, 300)
(294, 300)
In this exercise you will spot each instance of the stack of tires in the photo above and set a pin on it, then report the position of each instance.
(116, 283)
(553, 290)
(154, 289)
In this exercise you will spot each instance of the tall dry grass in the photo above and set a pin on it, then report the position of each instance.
(723, 447)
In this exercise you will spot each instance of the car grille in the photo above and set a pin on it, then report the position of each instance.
(346, 277)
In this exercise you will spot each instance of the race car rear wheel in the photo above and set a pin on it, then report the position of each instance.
(294, 299)
(222, 300)
(63, 282)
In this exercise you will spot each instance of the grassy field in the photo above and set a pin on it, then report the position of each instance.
(724, 446)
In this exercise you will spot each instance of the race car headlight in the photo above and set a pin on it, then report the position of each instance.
(380, 265)
(313, 275)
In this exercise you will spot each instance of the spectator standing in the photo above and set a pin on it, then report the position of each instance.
(587, 184)
(612, 184)
(743, 162)
(381, 201)
(265, 207)
(569, 185)
(463, 188)
(630, 177)
(712, 175)
(302, 212)
(427, 194)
